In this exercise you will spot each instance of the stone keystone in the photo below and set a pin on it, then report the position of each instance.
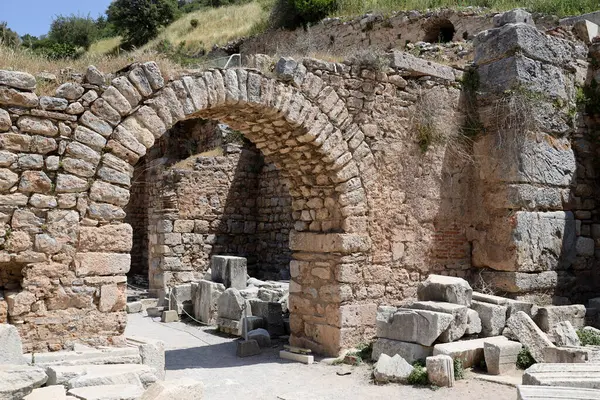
(530, 336)
(445, 288)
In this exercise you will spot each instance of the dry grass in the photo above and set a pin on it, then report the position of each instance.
(215, 26)
(27, 61)
(190, 162)
(105, 45)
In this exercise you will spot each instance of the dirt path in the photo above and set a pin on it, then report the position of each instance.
(198, 353)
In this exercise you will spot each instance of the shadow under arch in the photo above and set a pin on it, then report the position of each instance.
(306, 138)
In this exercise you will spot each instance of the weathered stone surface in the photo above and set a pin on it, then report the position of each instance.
(391, 369)
(5, 122)
(108, 392)
(140, 81)
(470, 352)
(261, 336)
(17, 80)
(47, 393)
(109, 355)
(411, 352)
(107, 193)
(152, 353)
(565, 335)
(445, 288)
(271, 313)
(501, 357)
(181, 389)
(571, 355)
(97, 124)
(457, 327)
(19, 380)
(37, 125)
(101, 264)
(117, 100)
(231, 305)
(12, 97)
(35, 182)
(521, 282)
(110, 238)
(11, 349)
(127, 90)
(473, 322)
(7, 179)
(230, 271)
(409, 65)
(70, 184)
(569, 375)
(515, 16)
(90, 138)
(70, 91)
(493, 317)
(416, 326)
(97, 375)
(153, 75)
(440, 370)
(205, 295)
(586, 31)
(105, 212)
(530, 392)
(169, 316)
(548, 317)
(53, 103)
(530, 336)
(94, 76)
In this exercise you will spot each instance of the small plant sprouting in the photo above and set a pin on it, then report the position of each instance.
(525, 359)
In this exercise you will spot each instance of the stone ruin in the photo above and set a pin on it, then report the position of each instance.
(355, 180)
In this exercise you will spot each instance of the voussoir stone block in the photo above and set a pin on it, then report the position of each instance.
(445, 288)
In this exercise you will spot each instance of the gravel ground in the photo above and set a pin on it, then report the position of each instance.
(199, 353)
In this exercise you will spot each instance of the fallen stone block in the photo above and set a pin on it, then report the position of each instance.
(568, 375)
(409, 65)
(445, 288)
(515, 16)
(47, 393)
(548, 317)
(526, 392)
(247, 348)
(11, 348)
(529, 335)
(252, 323)
(169, 316)
(231, 305)
(109, 355)
(180, 389)
(473, 323)
(470, 352)
(108, 392)
(501, 357)
(391, 369)
(205, 295)
(134, 307)
(457, 327)
(565, 335)
(271, 313)
(97, 375)
(490, 298)
(303, 358)
(411, 352)
(416, 326)
(230, 326)
(572, 355)
(230, 271)
(180, 298)
(147, 303)
(17, 381)
(155, 312)
(493, 317)
(261, 336)
(152, 353)
(440, 370)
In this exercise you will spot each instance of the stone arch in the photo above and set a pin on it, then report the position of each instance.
(299, 123)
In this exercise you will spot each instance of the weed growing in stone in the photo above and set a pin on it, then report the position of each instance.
(525, 359)
(459, 370)
(588, 338)
(418, 376)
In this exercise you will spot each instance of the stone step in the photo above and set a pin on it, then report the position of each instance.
(109, 355)
(568, 375)
(47, 393)
(525, 392)
(97, 375)
(108, 392)
(469, 351)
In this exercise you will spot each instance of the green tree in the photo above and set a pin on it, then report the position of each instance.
(73, 30)
(314, 10)
(140, 20)
(8, 37)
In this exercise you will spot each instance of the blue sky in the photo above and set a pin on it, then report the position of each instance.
(34, 16)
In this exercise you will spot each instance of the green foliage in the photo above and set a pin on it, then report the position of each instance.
(426, 135)
(8, 37)
(312, 11)
(525, 359)
(140, 20)
(589, 98)
(418, 376)
(588, 338)
(459, 370)
(194, 23)
(73, 30)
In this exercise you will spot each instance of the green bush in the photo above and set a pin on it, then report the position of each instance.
(459, 370)
(73, 30)
(194, 23)
(525, 359)
(418, 376)
(8, 37)
(311, 11)
(588, 338)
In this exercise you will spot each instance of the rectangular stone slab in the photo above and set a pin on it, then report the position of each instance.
(457, 327)
(530, 336)
(65, 375)
(108, 392)
(568, 375)
(469, 351)
(411, 352)
(526, 392)
(112, 355)
(230, 271)
(415, 326)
